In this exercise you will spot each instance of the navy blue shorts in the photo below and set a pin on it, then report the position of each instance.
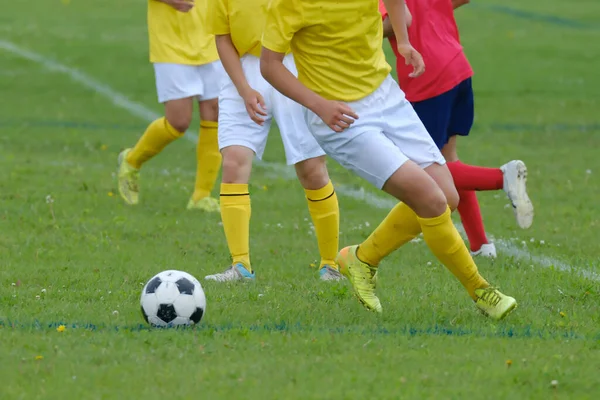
(451, 113)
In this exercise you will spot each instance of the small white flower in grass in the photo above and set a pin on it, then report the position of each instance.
(220, 223)
(497, 196)
(507, 206)
(37, 297)
(49, 199)
(554, 383)
(367, 224)
(43, 290)
(588, 171)
(13, 284)
(115, 313)
(110, 291)
(260, 295)
(523, 243)
(279, 225)
(428, 262)
(542, 242)
(532, 240)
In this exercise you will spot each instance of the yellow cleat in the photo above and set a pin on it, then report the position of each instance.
(493, 303)
(207, 204)
(362, 277)
(128, 180)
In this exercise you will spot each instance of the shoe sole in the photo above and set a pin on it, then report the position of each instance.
(523, 208)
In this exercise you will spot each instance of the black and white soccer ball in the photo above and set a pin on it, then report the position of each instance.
(173, 298)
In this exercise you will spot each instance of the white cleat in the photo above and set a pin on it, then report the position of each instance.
(486, 250)
(515, 186)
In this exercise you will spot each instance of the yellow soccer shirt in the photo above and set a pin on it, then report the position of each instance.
(337, 45)
(243, 20)
(180, 38)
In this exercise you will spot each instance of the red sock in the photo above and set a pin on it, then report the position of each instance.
(469, 177)
(470, 215)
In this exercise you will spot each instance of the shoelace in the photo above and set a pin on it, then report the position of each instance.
(491, 296)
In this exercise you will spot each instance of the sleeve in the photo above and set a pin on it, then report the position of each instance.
(284, 19)
(218, 20)
(382, 9)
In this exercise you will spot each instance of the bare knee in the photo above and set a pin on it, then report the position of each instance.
(209, 110)
(312, 173)
(237, 164)
(179, 114)
(413, 186)
(452, 197)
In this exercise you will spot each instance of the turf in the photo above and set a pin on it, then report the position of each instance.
(72, 254)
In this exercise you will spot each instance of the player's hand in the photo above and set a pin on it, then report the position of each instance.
(180, 5)
(338, 116)
(255, 106)
(412, 57)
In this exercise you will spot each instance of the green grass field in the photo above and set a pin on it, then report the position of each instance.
(77, 87)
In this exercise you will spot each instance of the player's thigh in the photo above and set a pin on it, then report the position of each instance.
(298, 142)
(176, 86)
(364, 150)
(404, 128)
(435, 114)
(235, 126)
(212, 77)
(463, 110)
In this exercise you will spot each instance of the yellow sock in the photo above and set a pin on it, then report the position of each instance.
(325, 214)
(443, 239)
(157, 136)
(208, 160)
(235, 213)
(399, 227)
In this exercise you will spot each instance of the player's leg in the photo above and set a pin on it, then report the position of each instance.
(511, 177)
(469, 210)
(207, 151)
(302, 150)
(240, 139)
(417, 177)
(447, 114)
(324, 211)
(175, 88)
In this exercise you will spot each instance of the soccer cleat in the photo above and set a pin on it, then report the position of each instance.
(515, 186)
(361, 275)
(493, 303)
(128, 178)
(486, 250)
(208, 204)
(237, 272)
(328, 273)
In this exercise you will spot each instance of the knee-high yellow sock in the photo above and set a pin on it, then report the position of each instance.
(235, 213)
(208, 160)
(399, 227)
(443, 239)
(325, 214)
(157, 136)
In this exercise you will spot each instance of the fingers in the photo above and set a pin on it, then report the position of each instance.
(418, 65)
(343, 118)
(257, 110)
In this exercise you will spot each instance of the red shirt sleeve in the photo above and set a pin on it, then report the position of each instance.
(382, 9)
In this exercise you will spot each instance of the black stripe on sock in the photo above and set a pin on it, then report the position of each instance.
(233, 194)
(324, 198)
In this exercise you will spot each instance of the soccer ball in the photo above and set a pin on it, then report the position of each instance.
(173, 298)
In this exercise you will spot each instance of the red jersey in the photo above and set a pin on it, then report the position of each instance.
(434, 34)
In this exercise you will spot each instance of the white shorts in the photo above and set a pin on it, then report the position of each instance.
(179, 81)
(387, 134)
(237, 129)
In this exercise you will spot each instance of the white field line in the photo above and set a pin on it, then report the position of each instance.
(144, 113)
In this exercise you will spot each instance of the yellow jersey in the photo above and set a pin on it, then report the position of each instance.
(180, 38)
(337, 45)
(243, 20)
